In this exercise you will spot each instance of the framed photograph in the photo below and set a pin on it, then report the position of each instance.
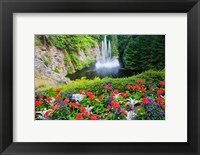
(104, 77)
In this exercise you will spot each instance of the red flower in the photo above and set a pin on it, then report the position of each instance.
(108, 107)
(83, 91)
(116, 92)
(82, 109)
(124, 94)
(57, 91)
(139, 81)
(92, 98)
(116, 105)
(128, 86)
(79, 116)
(162, 82)
(159, 100)
(142, 90)
(46, 114)
(107, 87)
(54, 107)
(145, 100)
(86, 114)
(38, 103)
(77, 104)
(48, 99)
(94, 117)
(57, 98)
(113, 102)
(112, 95)
(73, 104)
(123, 112)
(101, 96)
(66, 101)
(89, 94)
(160, 91)
(41, 97)
(163, 106)
(136, 87)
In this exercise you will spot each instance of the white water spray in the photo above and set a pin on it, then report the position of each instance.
(106, 60)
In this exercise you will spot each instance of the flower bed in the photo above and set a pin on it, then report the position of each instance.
(140, 99)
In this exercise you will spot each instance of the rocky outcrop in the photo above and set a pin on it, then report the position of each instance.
(52, 65)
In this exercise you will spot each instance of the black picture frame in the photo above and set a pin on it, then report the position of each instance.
(8, 7)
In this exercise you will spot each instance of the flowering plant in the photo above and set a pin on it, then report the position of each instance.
(139, 100)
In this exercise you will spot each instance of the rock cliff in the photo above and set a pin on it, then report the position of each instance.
(52, 65)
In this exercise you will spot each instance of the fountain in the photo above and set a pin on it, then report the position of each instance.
(106, 60)
(105, 66)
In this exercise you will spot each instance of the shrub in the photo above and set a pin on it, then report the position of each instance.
(96, 84)
(136, 99)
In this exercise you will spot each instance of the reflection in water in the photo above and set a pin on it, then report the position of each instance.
(91, 72)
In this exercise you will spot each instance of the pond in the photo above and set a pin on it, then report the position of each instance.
(91, 72)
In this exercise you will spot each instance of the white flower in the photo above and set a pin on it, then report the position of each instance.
(132, 102)
(130, 115)
(42, 113)
(117, 95)
(88, 109)
(52, 100)
(78, 97)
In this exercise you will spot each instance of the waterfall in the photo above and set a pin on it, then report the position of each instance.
(106, 60)
(109, 50)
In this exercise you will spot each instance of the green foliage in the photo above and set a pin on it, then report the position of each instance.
(96, 85)
(98, 100)
(144, 52)
(38, 40)
(72, 42)
(47, 62)
(57, 69)
(114, 45)
(138, 52)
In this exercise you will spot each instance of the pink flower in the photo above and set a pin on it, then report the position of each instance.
(107, 87)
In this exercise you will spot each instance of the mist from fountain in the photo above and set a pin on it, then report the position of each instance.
(105, 60)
